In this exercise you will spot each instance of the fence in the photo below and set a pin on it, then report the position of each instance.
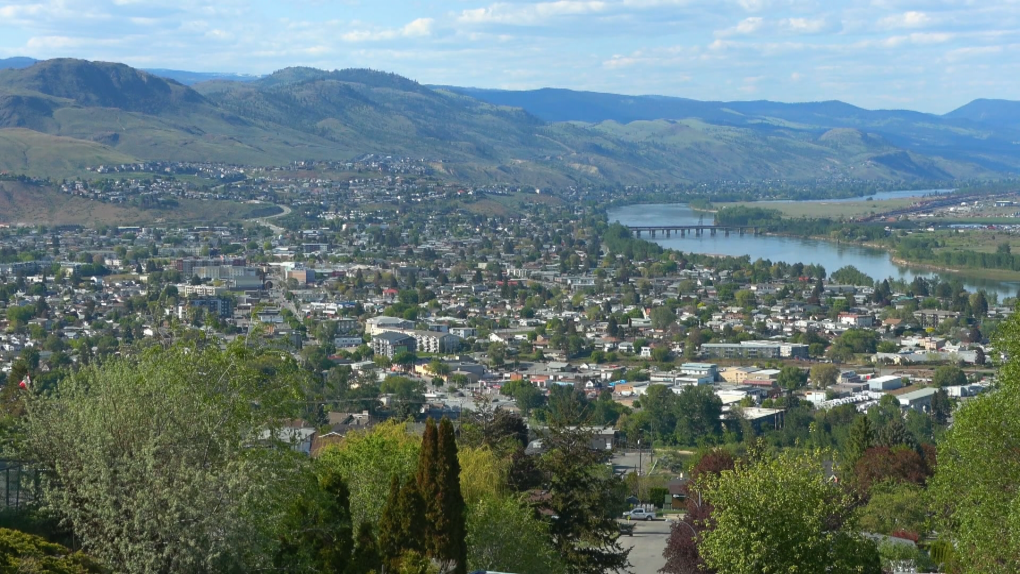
(18, 484)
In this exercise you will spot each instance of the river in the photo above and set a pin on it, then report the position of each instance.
(874, 262)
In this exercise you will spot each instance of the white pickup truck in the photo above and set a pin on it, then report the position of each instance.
(639, 514)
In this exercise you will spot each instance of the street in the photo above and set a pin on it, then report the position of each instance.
(647, 544)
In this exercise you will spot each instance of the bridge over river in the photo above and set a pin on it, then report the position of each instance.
(696, 230)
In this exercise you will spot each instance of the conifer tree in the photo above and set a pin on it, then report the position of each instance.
(438, 480)
(451, 545)
(401, 528)
(861, 439)
(366, 556)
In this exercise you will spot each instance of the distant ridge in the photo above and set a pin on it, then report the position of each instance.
(16, 62)
(105, 112)
(991, 112)
(186, 78)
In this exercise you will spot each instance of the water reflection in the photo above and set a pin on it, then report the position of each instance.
(832, 256)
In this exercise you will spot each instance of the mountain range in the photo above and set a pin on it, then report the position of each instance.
(59, 116)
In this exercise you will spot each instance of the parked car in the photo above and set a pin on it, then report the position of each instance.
(639, 514)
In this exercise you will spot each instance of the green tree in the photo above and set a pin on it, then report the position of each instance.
(895, 507)
(745, 298)
(585, 496)
(504, 534)
(367, 460)
(402, 524)
(941, 407)
(159, 463)
(976, 488)
(779, 514)
(316, 534)
(408, 395)
(824, 375)
(860, 440)
(792, 378)
(662, 317)
(447, 512)
(948, 376)
(895, 433)
(366, 557)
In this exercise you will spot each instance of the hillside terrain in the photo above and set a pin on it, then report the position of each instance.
(984, 133)
(30, 204)
(58, 116)
(1004, 113)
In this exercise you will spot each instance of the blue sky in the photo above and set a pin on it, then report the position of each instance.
(931, 56)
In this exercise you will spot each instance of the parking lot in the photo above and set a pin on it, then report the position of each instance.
(647, 544)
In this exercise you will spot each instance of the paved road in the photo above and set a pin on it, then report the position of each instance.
(625, 462)
(265, 220)
(646, 546)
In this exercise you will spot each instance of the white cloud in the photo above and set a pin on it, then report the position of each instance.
(912, 19)
(417, 29)
(531, 14)
(804, 25)
(746, 26)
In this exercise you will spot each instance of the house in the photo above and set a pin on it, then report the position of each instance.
(390, 343)
(855, 320)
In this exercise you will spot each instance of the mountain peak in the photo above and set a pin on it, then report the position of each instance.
(365, 76)
(989, 111)
(101, 84)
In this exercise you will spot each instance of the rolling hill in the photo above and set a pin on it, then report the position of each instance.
(984, 133)
(110, 113)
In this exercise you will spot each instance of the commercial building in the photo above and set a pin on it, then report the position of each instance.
(710, 370)
(737, 375)
(381, 324)
(919, 400)
(755, 350)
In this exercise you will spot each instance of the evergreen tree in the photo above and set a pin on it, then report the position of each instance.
(366, 556)
(585, 497)
(895, 433)
(861, 439)
(317, 530)
(401, 528)
(941, 407)
(451, 540)
(427, 478)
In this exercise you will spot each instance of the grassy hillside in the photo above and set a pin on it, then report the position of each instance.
(110, 113)
(42, 155)
(982, 134)
(22, 203)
